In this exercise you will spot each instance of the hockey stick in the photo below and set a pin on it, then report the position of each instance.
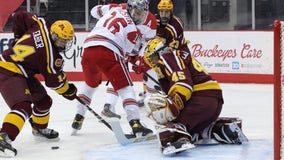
(92, 111)
(153, 79)
(122, 138)
(125, 139)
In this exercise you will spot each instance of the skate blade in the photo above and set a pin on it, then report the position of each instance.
(74, 132)
(171, 150)
(8, 153)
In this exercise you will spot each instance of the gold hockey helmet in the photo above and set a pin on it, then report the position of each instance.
(62, 33)
(63, 29)
(165, 5)
(154, 47)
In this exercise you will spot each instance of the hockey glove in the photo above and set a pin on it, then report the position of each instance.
(131, 59)
(71, 93)
(140, 66)
(163, 108)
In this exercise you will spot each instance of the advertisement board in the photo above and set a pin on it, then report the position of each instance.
(230, 56)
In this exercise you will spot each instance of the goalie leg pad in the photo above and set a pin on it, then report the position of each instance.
(174, 139)
(171, 133)
(204, 137)
(228, 131)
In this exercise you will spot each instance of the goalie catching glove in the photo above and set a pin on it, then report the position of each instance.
(164, 108)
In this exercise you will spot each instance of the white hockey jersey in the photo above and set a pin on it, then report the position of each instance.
(116, 31)
(147, 28)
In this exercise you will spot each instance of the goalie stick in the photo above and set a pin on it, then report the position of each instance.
(125, 139)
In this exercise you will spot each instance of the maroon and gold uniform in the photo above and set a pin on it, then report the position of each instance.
(173, 33)
(202, 96)
(180, 73)
(33, 53)
(192, 101)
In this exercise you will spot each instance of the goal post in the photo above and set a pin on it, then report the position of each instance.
(278, 89)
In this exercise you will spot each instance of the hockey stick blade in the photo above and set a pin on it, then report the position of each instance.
(125, 139)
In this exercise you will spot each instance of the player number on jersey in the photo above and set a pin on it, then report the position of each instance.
(22, 51)
(178, 76)
(113, 24)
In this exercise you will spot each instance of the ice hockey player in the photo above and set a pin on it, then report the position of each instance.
(35, 51)
(189, 111)
(113, 38)
(170, 27)
(148, 31)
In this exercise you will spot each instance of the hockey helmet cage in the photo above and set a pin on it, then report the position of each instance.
(138, 10)
(154, 47)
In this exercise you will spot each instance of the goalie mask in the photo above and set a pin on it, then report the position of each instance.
(138, 10)
(62, 33)
(153, 50)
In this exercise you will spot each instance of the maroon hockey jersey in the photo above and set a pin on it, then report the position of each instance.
(179, 72)
(34, 52)
(173, 33)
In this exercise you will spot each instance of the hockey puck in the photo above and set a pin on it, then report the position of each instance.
(54, 147)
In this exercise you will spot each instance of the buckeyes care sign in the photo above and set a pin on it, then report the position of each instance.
(218, 51)
(233, 51)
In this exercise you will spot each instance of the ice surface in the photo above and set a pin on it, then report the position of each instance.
(251, 102)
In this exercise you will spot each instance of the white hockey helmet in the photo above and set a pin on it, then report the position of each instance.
(138, 10)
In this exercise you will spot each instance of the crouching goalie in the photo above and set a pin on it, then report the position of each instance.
(189, 111)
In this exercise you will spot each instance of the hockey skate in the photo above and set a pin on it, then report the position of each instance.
(108, 113)
(77, 123)
(46, 133)
(179, 146)
(6, 149)
(138, 129)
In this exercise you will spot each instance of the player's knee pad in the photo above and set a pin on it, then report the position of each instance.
(171, 133)
(127, 93)
(228, 131)
(42, 106)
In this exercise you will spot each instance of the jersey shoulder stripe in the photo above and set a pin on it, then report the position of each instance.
(47, 43)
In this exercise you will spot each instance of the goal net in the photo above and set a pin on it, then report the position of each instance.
(278, 89)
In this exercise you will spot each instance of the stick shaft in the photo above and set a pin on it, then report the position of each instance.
(92, 111)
